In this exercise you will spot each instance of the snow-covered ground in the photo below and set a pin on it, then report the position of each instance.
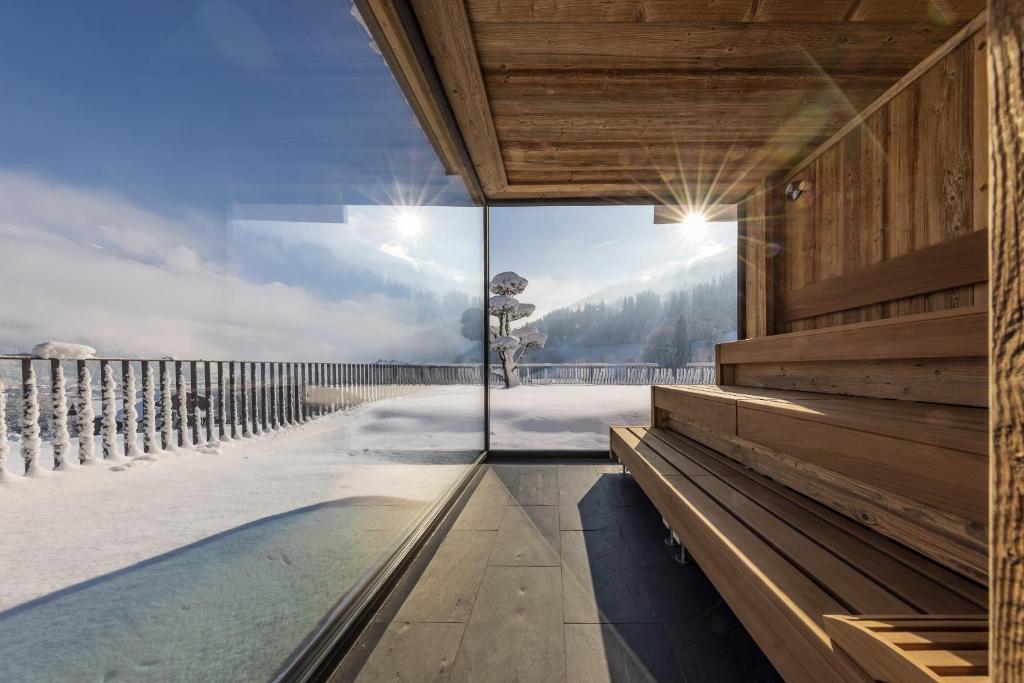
(539, 417)
(187, 564)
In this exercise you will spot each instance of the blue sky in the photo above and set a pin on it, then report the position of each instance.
(570, 252)
(164, 156)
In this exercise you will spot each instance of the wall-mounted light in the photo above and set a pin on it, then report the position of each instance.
(797, 188)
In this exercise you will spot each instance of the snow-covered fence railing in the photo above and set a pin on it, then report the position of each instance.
(182, 403)
(608, 373)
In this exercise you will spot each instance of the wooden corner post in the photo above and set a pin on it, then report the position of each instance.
(1006, 253)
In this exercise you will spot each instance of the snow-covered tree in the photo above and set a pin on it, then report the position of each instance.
(30, 442)
(511, 345)
(86, 417)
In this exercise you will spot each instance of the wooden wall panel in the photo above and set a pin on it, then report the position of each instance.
(910, 176)
(754, 266)
(1006, 174)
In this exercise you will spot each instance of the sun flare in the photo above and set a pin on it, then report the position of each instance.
(695, 220)
(409, 224)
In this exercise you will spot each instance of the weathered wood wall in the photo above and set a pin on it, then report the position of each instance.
(1006, 71)
(911, 175)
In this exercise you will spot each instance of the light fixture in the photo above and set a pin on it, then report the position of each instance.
(694, 220)
(797, 188)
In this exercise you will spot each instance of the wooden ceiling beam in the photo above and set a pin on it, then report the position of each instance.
(644, 193)
(382, 20)
(448, 36)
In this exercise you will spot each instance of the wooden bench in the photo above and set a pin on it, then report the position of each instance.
(916, 472)
(782, 560)
(840, 471)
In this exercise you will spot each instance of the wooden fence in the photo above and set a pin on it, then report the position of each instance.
(177, 403)
(609, 373)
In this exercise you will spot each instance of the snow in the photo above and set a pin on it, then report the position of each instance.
(539, 417)
(149, 411)
(502, 304)
(166, 411)
(131, 415)
(30, 442)
(63, 350)
(86, 417)
(214, 563)
(523, 311)
(108, 415)
(505, 344)
(59, 421)
(508, 283)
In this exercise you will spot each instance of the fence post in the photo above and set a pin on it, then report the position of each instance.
(208, 388)
(261, 417)
(4, 448)
(131, 414)
(197, 414)
(245, 411)
(108, 411)
(59, 421)
(179, 369)
(166, 410)
(252, 424)
(29, 417)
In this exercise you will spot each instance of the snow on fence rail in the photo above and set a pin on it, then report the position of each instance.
(197, 402)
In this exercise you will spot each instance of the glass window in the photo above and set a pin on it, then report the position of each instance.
(235, 324)
(606, 304)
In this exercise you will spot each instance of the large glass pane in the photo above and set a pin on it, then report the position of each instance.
(257, 285)
(606, 304)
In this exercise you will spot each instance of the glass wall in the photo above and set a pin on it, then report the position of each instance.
(237, 339)
(604, 303)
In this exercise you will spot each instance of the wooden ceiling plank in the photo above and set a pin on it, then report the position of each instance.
(643, 11)
(810, 12)
(948, 12)
(447, 33)
(839, 46)
(675, 83)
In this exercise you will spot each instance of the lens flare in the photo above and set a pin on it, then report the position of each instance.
(695, 220)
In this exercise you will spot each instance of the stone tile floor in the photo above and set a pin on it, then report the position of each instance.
(554, 571)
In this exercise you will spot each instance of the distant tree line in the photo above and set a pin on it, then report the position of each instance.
(669, 329)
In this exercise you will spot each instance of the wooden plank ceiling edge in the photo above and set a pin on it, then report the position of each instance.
(385, 26)
(449, 38)
(964, 34)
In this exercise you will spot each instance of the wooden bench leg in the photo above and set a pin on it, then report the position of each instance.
(682, 557)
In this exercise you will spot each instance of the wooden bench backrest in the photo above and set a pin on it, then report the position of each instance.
(937, 357)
